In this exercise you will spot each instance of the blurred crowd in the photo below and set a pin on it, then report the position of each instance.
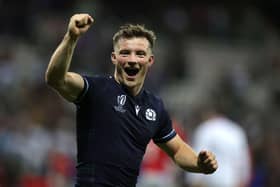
(204, 51)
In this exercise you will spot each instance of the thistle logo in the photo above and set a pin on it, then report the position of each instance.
(151, 114)
(121, 99)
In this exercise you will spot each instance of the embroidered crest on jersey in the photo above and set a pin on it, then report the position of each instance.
(151, 114)
(121, 99)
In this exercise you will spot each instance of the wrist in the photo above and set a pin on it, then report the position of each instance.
(71, 38)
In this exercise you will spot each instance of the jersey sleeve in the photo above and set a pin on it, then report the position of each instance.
(165, 131)
(82, 95)
(92, 89)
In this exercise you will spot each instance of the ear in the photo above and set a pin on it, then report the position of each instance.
(151, 60)
(113, 57)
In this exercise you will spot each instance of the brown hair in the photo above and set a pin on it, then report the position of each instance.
(130, 31)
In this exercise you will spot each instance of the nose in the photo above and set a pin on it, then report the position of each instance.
(132, 59)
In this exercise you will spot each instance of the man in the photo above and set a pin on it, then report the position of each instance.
(116, 116)
(229, 141)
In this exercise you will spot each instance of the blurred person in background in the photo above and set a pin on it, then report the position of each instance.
(229, 142)
(116, 116)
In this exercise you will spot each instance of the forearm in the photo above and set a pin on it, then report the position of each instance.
(60, 61)
(182, 154)
(186, 159)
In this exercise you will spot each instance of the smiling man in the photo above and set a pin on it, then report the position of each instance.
(116, 116)
(132, 57)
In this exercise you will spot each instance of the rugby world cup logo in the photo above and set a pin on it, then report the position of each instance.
(121, 99)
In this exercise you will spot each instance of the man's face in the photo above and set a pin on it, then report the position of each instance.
(132, 58)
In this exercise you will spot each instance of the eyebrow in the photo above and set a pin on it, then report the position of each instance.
(124, 51)
(141, 52)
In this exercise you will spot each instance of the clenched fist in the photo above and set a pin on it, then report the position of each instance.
(79, 24)
(207, 162)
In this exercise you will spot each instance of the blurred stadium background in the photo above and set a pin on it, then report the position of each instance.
(230, 50)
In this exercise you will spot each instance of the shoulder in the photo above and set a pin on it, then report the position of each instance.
(153, 98)
(97, 78)
(94, 86)
(221, 126)
(98, 81)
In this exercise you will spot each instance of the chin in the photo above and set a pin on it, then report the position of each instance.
(130, 84)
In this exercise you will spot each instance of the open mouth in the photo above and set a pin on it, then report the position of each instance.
(131, 71)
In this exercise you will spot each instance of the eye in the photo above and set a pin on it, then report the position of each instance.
(141, 53)
(124, 52)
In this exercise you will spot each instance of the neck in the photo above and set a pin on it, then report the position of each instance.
(133, 90)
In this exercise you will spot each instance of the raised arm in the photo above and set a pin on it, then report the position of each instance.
(68, 84)
(186, 158)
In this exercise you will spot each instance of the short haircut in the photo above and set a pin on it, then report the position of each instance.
(130, 31)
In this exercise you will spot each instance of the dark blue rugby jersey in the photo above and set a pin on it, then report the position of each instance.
(113, 130)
